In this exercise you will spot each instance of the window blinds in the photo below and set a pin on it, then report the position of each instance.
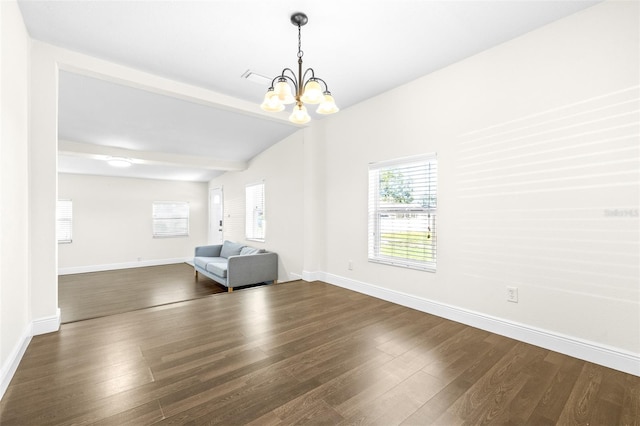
(402, 212)
(170, 219)
(64, 221)
(255, 216)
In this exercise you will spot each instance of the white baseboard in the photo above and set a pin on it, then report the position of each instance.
(589, 351)
(36, 327)
(294, 277)
(313, 276)
(46, 325)
(10, 366)
(124, 265)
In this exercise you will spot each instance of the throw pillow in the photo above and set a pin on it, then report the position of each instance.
(249, 250)
(230, 249)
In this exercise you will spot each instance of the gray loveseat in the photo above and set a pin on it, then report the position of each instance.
(235, 265)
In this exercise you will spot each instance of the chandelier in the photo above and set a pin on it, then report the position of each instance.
(307, 88)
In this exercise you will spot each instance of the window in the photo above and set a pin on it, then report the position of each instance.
(255, 220)
(402, 212)
(64, 221)
(170, 219)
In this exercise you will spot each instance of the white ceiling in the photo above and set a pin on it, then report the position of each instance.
(360, 48)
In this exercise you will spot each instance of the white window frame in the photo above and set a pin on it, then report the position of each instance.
(404, 233)
(64, 221)
(170, 219)
(255, 212)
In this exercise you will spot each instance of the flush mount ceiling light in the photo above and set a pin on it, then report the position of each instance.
(119, 162)
(306, 86)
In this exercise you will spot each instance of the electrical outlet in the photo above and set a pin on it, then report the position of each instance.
(512, 294)
(351, 265)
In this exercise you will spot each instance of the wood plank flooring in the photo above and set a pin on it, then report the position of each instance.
(303, 353)
(97, 294)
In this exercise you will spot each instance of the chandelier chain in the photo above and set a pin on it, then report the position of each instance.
(300, 52)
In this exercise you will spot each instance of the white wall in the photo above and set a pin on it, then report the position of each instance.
(43, 183)
(112, 225)
(15, 315)
(281, 169)
(537, 141)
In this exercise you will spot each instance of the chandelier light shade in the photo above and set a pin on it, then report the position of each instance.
(301, 89)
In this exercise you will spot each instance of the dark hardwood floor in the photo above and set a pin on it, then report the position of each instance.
(97, 294)
(303, 353)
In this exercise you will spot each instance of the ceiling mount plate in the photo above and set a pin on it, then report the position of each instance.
(299, 19)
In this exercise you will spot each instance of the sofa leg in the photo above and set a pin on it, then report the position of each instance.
(195, 273)
(229, 289)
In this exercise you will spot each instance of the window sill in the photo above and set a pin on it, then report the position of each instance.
(405, 265)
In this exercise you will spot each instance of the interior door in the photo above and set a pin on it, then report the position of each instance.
(216, 216)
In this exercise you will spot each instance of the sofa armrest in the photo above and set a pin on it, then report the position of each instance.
(208, 251)
(252, 269)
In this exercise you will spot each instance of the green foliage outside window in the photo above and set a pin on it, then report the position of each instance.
(395, 188)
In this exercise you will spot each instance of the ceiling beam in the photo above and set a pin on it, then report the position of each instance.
(82, 64)
(100, 152)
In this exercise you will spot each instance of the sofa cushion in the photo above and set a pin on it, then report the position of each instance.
(218, 267)
(230, 249)
(202, 261)
(249, 250)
